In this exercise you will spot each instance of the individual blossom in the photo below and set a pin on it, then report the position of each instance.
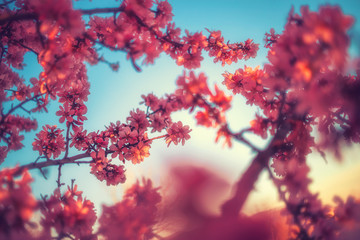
(80, 110)
(99, 140)
(210, 117)
(158, 122)
(177, 133)
(220, 99)
(172, 32)
(118, 149)
(218, 47)
(204, 118)
(66, 113)
(79, 138)
(279, 164)
(150, 101)
(194, 43)
(224, 132)
(138, 120)
(260, 126)
(190, 87)
(249, 50)
(233, 82)
(152, 51)
(78, 93)
(128, 135)
(137, 153)
(270, 38)
(114, 130)
(190, 60)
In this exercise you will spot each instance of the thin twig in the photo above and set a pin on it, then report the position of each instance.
(239, 137)
(58, 181)
(67, 140)
(19, 106)
(101, 10)
(42, 172)
(24, 46)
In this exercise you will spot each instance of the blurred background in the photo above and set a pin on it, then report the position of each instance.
(115, 94)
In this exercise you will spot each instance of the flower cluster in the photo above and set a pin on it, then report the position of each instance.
(194, 92)
(10, 129)
(177, 133)
(104, 170)
(49, 142)
(304, 84)
(313, 78)
(229, 53)
(68, 214)
(63, 40)
(124, 141)
(134, 217)
(17, 204)
(74, 108)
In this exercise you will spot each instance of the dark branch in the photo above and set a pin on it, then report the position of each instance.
(101, 10)
(39, 165)
(18, 17)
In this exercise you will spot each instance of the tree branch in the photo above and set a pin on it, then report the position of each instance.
(239, 137)
(101, 10)
(26, 47)
(33, 16)
(245, 185)
(248, 179)
(18, 17)
(19, 106)
(58, 181)
(39, 165)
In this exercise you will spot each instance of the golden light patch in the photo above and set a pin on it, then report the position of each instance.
(304, 70)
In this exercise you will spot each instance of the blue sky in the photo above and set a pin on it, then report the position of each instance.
(115, 94)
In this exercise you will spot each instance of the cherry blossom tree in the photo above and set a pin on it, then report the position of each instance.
(304, 88)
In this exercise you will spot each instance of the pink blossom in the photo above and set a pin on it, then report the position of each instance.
(177, 133)
(138, 120)
(49, 141)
